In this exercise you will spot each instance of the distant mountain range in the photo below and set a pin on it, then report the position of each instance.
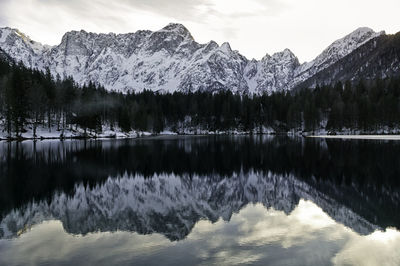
(171, 60)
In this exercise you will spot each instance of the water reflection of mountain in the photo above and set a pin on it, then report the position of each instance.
(355, 182)
(172, 205)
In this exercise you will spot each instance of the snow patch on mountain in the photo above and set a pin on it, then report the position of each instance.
(170, 60)
(272, 73)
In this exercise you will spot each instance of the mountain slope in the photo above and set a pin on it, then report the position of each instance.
(171, 60)
(378, 58)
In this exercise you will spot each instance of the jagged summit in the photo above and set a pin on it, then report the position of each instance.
(169, 60)
(364, 32)
(226, 47)
(333, 53)
(377, 58)
(348, 43)
(287, 51)
(12, 33)
(177, 28)
(211, 45)
(285, 54)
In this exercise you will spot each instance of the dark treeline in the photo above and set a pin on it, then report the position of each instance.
(30, 98)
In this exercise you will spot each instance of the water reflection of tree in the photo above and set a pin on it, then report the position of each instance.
(361, 174)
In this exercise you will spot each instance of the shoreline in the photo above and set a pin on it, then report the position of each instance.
(359, 137)
(147, 135)
(126, 137)
(21, 139)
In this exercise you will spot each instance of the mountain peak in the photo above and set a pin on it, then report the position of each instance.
(340, 48)
(16, 39)
(177, 28)
(365, 30)
(349, 43)
(361, 35)
(6, 31)
(285, 53)
(73, 33)
(226, 47)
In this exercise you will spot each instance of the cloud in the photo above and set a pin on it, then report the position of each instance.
(254, 235)
(182, 9)
(3, 21)
(189, 10)
(254, 27)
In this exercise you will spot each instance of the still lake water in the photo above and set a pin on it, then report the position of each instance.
(255, 200)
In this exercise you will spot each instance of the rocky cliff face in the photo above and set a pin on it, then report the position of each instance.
(171, 60)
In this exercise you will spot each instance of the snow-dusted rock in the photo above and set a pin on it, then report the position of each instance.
(272, 73)
(170, 60)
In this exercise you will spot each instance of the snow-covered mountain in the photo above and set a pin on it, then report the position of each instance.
(379, 58)
(171, 60)
(172, 205)
(336, 51)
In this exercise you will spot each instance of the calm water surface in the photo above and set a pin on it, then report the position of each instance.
(200, 201)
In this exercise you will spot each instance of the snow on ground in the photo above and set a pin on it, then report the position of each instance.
(377, 137)
(75, 132)
(108, 131)
(167, 132)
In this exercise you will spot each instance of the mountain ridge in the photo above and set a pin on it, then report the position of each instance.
(378, 58)
(171, 60)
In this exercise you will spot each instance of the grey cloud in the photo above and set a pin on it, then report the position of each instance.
(179, 9)
(228, 32)
(272, 7)
(3, 16)
(3, 21)
(188, 10)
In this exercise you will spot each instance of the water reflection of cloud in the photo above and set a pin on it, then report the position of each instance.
(304, 224)
(379, 248)
(255, 235)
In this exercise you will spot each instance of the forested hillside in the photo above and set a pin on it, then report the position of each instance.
(30, 99)
(379, 57)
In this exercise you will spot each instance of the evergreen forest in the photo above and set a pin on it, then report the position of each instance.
(32, 99)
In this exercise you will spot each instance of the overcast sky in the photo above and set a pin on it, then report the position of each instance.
(254, 27)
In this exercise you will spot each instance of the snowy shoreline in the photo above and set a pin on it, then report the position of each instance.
(363, 137)
(136, 135)
(109, 132)
(129, 136)
(116, 133)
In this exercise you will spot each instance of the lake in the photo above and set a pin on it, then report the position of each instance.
(205, 200)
